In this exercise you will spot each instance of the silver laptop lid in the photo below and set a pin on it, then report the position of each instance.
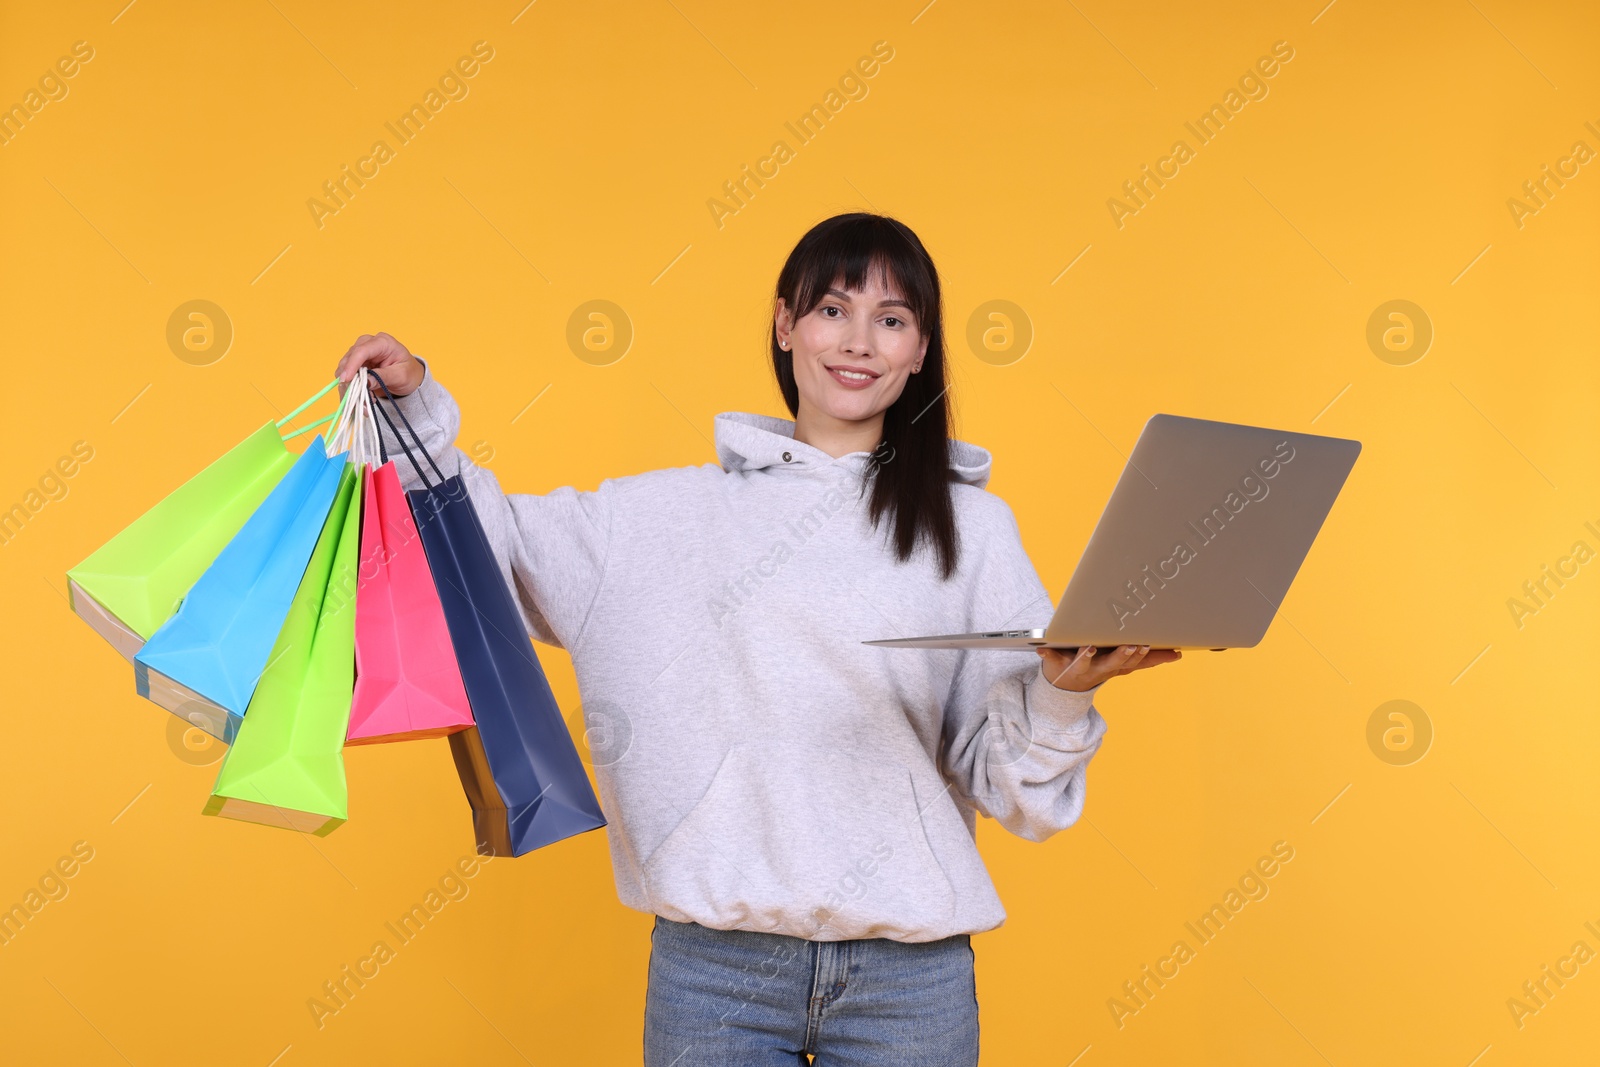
(1205, 530)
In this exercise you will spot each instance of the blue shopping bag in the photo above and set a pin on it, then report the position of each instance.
(518, 765)
(204, 662)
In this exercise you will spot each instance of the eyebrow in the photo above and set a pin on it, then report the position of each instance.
(883, 303)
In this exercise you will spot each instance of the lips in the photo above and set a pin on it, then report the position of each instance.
(852, 377)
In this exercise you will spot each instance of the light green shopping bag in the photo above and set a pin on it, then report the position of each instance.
(134, 582)
(286, 766)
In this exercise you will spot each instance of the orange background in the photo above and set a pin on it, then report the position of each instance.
(1422, 893)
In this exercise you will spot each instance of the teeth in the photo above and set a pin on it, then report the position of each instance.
(853, 375)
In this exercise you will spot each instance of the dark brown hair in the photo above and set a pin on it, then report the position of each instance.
(910, 472)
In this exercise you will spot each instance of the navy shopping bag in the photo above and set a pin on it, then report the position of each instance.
(518, 766)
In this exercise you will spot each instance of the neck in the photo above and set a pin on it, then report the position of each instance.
(837, 437)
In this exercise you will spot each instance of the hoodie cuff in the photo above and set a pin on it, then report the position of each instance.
(1058, 714)
(417, 407)
(415, 403)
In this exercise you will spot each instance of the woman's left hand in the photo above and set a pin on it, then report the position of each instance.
(1087, 669)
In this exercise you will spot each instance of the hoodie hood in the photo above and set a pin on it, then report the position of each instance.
(750, 442)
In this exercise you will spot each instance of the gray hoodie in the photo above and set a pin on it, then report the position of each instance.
(761, 768)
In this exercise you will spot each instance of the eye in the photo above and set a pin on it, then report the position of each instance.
(893, 321)
(827, 308)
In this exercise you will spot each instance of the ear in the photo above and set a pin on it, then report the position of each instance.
(923, 354)
(783, 322)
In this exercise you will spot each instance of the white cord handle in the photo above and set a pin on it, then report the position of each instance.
(339, 430)
(366, 429)
(354, 431)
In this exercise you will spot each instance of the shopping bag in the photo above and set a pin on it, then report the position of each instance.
(521, 773)
(286, 765)
(132, 584)
(407, 682)
(204, 662)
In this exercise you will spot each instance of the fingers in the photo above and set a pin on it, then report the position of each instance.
(1089, 667)
(1154, 658)
(1160, 656)
(370, 350)
(1085, 670)
(347, 363)
(1118, 658)
(1121, 660)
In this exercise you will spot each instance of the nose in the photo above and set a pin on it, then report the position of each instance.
(857, 339)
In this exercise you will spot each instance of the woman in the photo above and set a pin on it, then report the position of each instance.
(798, 809)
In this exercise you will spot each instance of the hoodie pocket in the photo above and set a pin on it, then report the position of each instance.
(697, 862)
(848, 853)
(932, 821)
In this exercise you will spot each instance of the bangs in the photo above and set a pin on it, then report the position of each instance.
(844, 257)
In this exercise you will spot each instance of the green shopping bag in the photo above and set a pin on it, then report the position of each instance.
(286, 766)
(133, 583)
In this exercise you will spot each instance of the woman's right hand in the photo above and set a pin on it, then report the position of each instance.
(380, 352)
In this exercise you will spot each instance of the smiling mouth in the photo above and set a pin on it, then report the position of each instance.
(852, 375)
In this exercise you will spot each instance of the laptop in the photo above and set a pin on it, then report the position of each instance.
(1203, 534)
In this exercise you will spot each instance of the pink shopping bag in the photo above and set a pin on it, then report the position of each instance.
(407, 682)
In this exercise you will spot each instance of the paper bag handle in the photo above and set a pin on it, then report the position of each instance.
(318, 395)
(398, 437)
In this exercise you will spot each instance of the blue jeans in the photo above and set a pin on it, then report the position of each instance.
(739, 998)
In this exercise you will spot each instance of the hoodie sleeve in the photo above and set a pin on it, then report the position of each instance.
(1014, 746)
(552, 548)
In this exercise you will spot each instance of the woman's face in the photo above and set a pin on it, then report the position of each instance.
(853, 351)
